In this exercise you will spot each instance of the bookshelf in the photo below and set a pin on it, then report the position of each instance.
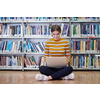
(26, 32)
(10, 34)
(41, 37)
(85, 37)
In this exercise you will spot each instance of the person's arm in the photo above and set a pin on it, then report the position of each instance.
(46, 51)
(67, 53)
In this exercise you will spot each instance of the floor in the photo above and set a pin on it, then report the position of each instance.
(28, 77)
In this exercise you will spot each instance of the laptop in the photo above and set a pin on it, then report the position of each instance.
(57, 62)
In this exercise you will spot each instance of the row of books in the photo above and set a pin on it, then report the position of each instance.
(29, 62)
(30, 30)
(85, 18)
(85, 30)
(85, 61)
(85, 46)
(16, 62)
(81, 61)
(44, 30)
(34, 18)
(10, 30)
(10, 46)
(36, 30)
(10, 61)
(29, 46)
(50, 18)
(11, 18)
(46, 18)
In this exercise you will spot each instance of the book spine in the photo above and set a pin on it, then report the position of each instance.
(24, 46)
(28, 61)
(26, 64)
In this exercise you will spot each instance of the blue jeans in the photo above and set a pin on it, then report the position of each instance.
(55, 73)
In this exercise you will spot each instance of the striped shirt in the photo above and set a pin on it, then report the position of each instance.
(57, 48)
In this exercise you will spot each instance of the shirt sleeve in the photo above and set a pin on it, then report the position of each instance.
(46, 50)
(67, 53)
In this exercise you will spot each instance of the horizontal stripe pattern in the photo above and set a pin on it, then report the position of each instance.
(57, 48)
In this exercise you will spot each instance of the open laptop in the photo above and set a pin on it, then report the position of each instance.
(55, 62)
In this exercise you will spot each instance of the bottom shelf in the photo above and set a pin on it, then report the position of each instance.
(86, 69)
(8, 69)
(37, 69)
(11, 68)
(80, 69)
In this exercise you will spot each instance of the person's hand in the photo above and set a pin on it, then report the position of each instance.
(66, 65)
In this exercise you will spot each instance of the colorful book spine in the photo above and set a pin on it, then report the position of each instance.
(9, 45)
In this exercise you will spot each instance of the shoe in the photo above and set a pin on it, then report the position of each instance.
(70, 76)
(41, 77)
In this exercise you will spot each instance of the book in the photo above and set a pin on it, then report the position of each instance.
(42, 61)
(25, 62)
(32, 61)
(1, 29)
(24, 46)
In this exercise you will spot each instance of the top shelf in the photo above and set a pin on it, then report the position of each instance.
(10, 21)
(48, 19)
(44, 21)
(31, 21)
(86, 21)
